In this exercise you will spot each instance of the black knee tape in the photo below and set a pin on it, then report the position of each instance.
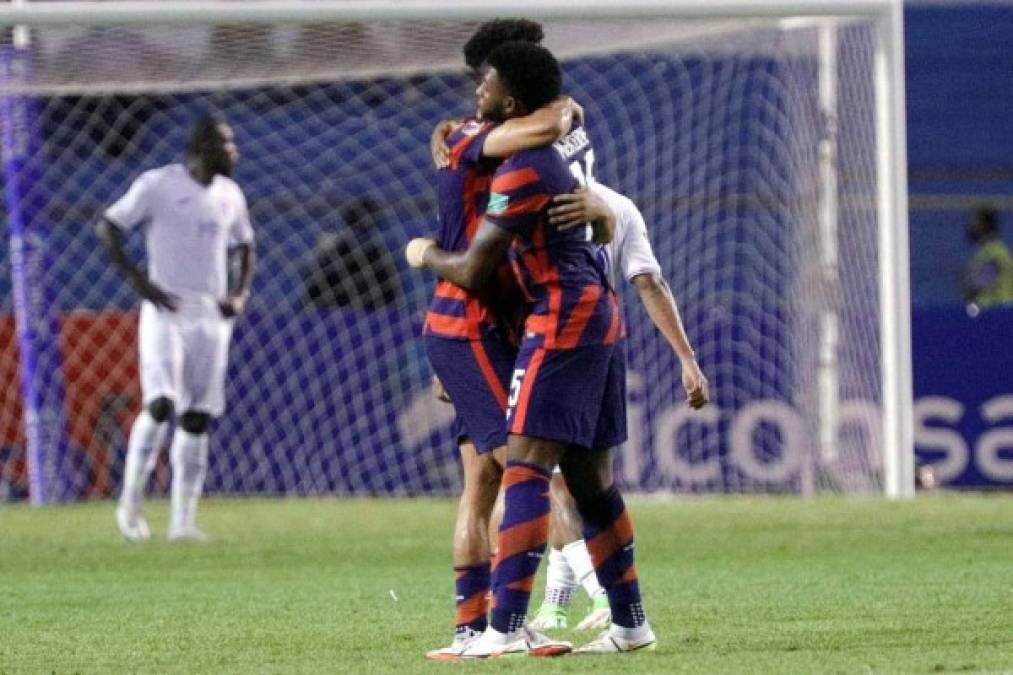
(161, 409)
(194, 421)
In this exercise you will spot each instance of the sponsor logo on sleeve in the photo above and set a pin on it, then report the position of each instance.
(497, 203)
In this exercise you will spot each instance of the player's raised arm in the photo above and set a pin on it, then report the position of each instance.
(543, 126)
(468, 269)
(110, 236)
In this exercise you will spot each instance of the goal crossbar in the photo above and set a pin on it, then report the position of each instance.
(80, 12)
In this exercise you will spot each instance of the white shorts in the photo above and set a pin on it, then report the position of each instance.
(184, 355)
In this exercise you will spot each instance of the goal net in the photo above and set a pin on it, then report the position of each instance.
(759, 190)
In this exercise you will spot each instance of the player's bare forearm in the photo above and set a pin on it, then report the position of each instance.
(468, 269)
(543, 126)
(112, 240)
(247, 263)
(660, 305)
(582, 207)
(235, 303)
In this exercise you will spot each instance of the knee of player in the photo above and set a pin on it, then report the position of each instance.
(161, 409)
(195, 421)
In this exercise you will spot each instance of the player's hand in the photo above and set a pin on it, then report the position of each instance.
(415, 251)
(439, 392)
(577, 110)
(581, 207)
(159, 297)
(233, 306)
(438, 143)
(696, 385)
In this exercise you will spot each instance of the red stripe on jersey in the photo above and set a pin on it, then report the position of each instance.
(581, 314)
(617, 321)
(474, 184)
(521, 410)
(532, 204)
(455, 326)
(450, 291)
(489, 373)
(511, 180)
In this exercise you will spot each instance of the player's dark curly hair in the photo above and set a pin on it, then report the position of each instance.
(530, 72)
(204, 133)
(492, 34)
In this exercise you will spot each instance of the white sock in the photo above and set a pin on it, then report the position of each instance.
(146, 439)
(559, 579)
(583, 569)
(189, 454)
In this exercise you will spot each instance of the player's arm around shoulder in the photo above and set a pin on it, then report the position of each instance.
(542, 127)
(581, 207)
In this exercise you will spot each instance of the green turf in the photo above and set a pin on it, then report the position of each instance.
(731, 585)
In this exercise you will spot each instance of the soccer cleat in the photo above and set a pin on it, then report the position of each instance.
(541, 645)
(600, 615)
(493, 644)
(453, 652)
(550, 616)
(132, 524)
(187, 534)
(611, 641)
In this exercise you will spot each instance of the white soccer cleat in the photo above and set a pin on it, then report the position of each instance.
(132, 524)
(613, 641)
(600, 616)
(493, 644)
(453, 652)
(188, 534)
(541, 645)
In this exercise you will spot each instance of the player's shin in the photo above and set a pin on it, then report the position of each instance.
(146, 438)
(521, 542)
(189, 454)
(608, 531)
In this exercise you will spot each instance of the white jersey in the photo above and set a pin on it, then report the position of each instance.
(629, 253)
(189, 228)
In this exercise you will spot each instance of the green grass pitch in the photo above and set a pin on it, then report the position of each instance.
(735, 585)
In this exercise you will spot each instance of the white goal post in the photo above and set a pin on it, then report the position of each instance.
(887, 76)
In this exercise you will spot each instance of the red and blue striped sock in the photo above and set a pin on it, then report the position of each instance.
(608, 531)
(522, 539)
(472, 586)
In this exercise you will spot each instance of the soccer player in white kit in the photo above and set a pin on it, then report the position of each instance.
(194, 214)
(628, 256)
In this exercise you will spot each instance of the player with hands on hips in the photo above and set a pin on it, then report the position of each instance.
(194, 215)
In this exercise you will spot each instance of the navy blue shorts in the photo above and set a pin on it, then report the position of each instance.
(574, 396)
(611, 429)
(476, 375)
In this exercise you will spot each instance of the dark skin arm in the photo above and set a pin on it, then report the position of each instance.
(235, 303)
(112, 239)
(470, 269)
(543, 126)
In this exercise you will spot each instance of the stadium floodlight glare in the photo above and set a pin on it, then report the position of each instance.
(764, 141)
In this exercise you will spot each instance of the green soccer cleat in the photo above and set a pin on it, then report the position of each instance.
(550, 616)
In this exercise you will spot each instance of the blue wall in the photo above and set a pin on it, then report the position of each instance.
(960, 135)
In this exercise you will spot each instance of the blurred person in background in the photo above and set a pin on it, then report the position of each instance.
(353, 267)
(988, 277)
(194, 215)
